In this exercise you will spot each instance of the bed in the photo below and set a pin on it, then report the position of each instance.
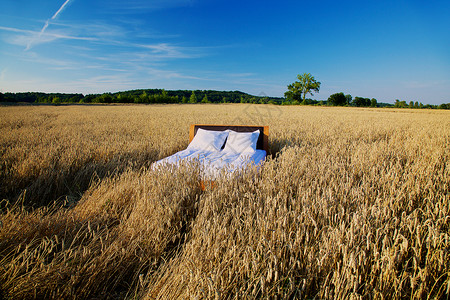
(222, 147)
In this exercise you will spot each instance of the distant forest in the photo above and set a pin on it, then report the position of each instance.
(154, 96)
(148, 96)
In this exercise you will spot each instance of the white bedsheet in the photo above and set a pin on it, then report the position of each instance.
(213, 162)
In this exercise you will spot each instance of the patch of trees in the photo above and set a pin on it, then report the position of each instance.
(142, 96)
(339, 99)
(416, 104)
(295, 96)
(37, 97)
(412, 104)
(306, 84)
(364, 102)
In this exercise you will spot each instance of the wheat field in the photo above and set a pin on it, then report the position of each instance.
(350, 204)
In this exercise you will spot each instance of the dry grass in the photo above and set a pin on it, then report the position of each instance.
(353, 204)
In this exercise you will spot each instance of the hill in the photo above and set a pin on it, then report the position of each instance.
(140, 96)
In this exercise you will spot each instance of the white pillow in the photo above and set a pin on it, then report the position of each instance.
(240, 142)
(209, 140)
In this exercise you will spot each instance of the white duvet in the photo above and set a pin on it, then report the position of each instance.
(213, 162)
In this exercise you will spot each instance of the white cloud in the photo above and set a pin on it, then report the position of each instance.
(16, 30)
(424, 84)
(3, 74)
(36, 39)
(60, 9)
(24, 36)
(136, 6)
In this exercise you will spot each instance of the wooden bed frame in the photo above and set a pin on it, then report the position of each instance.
(263, 139)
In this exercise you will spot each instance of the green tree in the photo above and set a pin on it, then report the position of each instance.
(106, 98)
(337, 99)
(143, 98)
(349, 98)
(444, 106)
(361, 102)
(205, 100)
(299, 89)
(124, 98)
(400, 104)
(193, 98)
(373, 102)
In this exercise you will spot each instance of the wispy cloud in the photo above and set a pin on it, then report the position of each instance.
(25, 36)
(39, 35)
(60, 9)
(133, 6)
(424, 84)
(16, 30)
(119, 56)
(160, 51)
(240, 75)
(2, 74)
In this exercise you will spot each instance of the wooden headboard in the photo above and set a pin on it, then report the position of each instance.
(263, 139)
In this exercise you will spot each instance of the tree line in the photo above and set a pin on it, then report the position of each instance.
(339, 99)
(306, 84)
(148, 96)
(296, 95)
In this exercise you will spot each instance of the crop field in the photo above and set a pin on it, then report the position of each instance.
(351, 203)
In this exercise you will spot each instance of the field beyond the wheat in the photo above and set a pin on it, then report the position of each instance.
(351, 203)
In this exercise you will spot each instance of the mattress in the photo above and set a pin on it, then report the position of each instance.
(212, 163)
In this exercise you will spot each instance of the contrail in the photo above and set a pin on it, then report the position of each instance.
(46, 25)
(60, 9)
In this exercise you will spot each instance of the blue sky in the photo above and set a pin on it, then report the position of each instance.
(378, 49)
